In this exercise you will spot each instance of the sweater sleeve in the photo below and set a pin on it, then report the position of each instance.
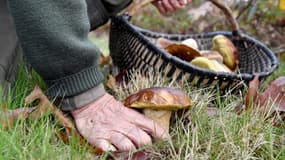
(104, 9)
(115, 6)
(54, 38)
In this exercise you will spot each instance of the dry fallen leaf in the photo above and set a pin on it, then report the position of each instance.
(35, 112)
(44, 106)
(105, 60)
(112, 81)
(252, 92)
(275, 93)
(8, 117)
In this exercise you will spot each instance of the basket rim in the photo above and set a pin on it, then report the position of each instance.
(139, 33)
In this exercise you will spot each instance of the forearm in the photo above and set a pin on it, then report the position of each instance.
(54, 37)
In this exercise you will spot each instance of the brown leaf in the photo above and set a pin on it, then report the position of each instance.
(252, 93)
(275, 93)
(111, 82)
(105, 60)
(121, 77)
(44, 106)
(8, 117)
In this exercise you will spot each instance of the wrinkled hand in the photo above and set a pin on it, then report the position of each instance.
(109, 125)
(165, 6)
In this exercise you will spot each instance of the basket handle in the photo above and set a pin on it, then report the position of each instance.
(226, 10)
(228, 13)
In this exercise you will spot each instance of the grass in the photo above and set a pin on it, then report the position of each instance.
(194, 134)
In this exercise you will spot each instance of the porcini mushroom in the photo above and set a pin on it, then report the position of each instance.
(158, 103)
(228, 50)
(182, 50)
(163, 42)
(212, 55)
(191, 43)
(206, 63)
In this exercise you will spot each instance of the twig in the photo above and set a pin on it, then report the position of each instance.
(228, 13)
(242, 11)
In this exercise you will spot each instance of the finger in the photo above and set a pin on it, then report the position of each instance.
(176, 4)
(105, 145)
(167, 5)
(182, 2)
(137, 136)
(160, 7)
(145, 124)
(121, 142)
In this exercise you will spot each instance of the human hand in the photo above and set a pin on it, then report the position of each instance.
(110, 126)
(165, 6)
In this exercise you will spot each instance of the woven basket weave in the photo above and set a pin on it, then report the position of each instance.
(133, 48)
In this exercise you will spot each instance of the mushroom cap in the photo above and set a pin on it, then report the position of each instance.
(191, 43)
(183, 51)
(159, 98)
(228, 50)
(212, 55)
(163, 42)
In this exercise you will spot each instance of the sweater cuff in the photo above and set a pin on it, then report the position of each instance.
(76, 83)
(83, 99)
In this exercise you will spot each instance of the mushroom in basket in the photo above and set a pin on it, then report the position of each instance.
(227, 49)
(158, 103)
(186, 50)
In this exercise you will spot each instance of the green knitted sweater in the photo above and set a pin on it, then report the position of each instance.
(54, 38)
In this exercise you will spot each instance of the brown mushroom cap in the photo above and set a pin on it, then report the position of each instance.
(159, 98)
(183, 51)
(163, 42)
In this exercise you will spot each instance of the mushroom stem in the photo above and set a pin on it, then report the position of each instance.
(162, 117)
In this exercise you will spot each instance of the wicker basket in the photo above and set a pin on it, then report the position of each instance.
(134, 48)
